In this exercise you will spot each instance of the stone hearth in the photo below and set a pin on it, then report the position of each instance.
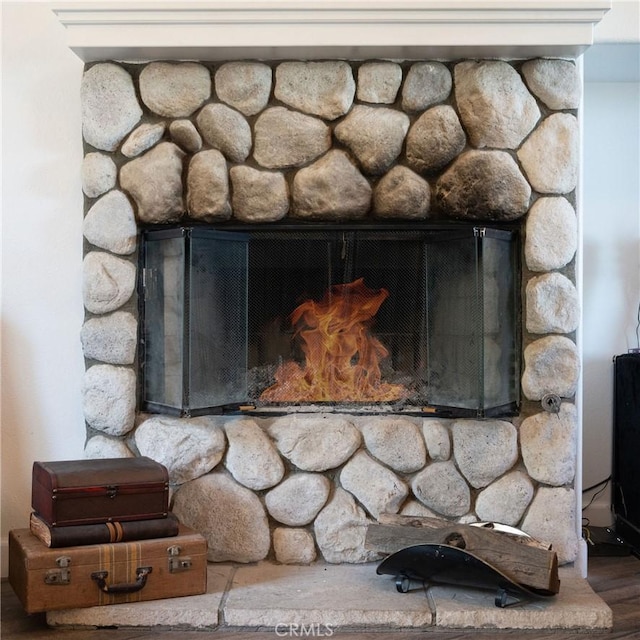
(484, 141)
(325, 600)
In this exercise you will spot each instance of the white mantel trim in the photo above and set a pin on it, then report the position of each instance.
(274, 29)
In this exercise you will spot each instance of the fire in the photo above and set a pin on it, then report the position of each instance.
(342, 358)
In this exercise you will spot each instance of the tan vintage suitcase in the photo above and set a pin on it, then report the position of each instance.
(47, 579)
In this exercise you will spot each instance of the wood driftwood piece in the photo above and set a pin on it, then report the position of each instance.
(525, 560)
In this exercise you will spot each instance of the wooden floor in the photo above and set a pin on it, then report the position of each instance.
(616, 580)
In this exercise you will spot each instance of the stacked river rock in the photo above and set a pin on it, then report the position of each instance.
(336, 141)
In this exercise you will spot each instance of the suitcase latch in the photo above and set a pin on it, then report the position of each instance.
(112, 491)
(176, 563)
(61, 575)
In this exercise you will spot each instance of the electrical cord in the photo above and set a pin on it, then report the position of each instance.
(597, 484)
(604, 484)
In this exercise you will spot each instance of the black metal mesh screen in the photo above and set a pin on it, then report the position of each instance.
(289, 269)
(404, 317)
(217, 319)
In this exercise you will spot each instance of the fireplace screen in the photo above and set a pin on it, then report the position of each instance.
(333, 318)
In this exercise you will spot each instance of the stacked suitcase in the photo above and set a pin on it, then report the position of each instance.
(101, 533)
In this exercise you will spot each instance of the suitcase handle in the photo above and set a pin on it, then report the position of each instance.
(124, 587)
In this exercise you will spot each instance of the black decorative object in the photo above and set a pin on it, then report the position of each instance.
(447, 565)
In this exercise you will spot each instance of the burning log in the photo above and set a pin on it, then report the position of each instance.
(342, 358)
(525, 560)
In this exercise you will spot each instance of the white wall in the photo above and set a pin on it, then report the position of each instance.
(42, 312)
(611, 264)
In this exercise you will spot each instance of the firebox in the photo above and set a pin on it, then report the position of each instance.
(420, 319)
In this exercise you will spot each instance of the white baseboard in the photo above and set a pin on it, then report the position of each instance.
(599, 514)
(582, 561)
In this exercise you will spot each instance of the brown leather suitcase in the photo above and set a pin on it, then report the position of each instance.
(75, 492)
(47, 579)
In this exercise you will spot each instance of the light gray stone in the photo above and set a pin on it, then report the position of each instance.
(258, 196)
(225, 129)
(426, 84)
(403, 194)
(468, 518)
(110, 107)
(551, 235)
(109, 398)
(293, 546)
(374, 135)
(550, 156)
(324, 89)
(506, 499)
(110, 338)
(376, 487)
(484, 449)
(414, 508)
(284, 138)
(549, 445)
(495, 106)
(230, 517)
(345, 597)
(552, 304)
(251, 457)
(551, 366)
(321, 601)
(111, 224)
(154, 181)
(379, 81)
(575, 607)
(484, 185)
(100, 446)
(185, 135)
(331, 189)
(245, 86)
(142, 138)
(435, 139)
(395, 441)
(208, 186)
(174, 89)
(107, 282)
(297, 500)
(437, 438)
(315, 443)
(555, 82)
(340, 530)
(551, 518)
(99, 174)
(187, 447)
(441, 488)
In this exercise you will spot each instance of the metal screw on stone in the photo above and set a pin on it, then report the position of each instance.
(551, 403)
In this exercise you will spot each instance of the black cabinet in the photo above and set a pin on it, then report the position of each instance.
(626, 447)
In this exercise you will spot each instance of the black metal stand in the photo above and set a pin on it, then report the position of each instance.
(442, 564)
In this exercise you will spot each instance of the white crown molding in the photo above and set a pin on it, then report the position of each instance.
(357, 29)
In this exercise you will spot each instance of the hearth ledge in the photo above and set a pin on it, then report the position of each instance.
(273, 596)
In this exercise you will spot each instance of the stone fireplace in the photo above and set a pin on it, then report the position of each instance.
(393, 115)
(482, 143)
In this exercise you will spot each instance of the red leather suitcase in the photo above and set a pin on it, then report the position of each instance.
(47, 579)
(76, 492)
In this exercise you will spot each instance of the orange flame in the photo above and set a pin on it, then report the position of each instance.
(342, 359)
